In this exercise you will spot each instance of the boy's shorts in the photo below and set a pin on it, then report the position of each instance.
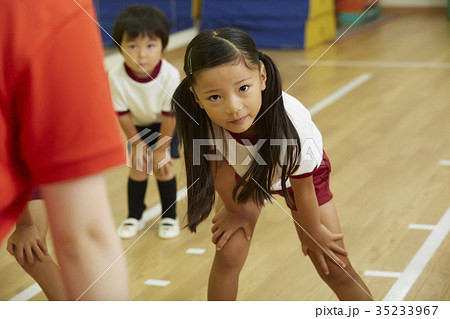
(155, 127)
(321, 181)
(36, 194)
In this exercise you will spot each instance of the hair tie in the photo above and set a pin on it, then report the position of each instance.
(260, 54)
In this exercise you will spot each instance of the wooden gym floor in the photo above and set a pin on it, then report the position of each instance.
(381, 98)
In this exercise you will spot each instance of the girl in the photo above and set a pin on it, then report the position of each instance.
(28, 245)
(233, 92)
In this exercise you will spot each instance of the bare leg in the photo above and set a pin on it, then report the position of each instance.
(227, 265)
(228, 262)
(138, 175)
(48, 276)
(46, 272)
(345, 283)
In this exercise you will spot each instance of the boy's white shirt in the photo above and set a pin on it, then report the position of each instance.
(309, 134)
(145, 101)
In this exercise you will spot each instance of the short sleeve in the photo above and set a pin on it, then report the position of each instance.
(170, 85)
(311, 152)
(69, 127)
(117, 95)
(309, 134)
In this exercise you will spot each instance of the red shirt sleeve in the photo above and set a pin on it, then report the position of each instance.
(69, 127)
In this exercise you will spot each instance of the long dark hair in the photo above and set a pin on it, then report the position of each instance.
(214, 48)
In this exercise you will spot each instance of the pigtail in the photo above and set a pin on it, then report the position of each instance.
(200, 180)
(281, 120)
(274, 123)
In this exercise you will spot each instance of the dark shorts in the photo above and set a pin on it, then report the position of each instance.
(36, 194)
(155, 127)
(321, 181)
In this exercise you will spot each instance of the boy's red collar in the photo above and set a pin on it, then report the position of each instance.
(146, 79)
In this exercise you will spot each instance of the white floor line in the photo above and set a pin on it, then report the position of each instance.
(378, 64)
(421, 226)
(28, 293)
(156, 282)
(377, 273)
(195, 251)
(319, 106)
(415, 267)
(445, 162)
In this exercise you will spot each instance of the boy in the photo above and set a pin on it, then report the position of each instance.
(141, 89)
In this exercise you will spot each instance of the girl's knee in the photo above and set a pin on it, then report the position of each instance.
(234, 254)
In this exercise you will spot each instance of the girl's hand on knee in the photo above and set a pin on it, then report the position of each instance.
(25, 244)
(225, 224)
(324, 243)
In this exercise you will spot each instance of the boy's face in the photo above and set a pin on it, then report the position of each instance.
(144, 53)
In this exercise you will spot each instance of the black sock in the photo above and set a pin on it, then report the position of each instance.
(136, 195)
(168, 194)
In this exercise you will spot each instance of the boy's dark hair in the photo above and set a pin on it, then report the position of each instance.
(140, 19)
(210, 49)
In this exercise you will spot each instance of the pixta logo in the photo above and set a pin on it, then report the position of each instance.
(311, 154)
(142, 157)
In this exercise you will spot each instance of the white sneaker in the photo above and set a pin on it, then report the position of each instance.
(130, 227)
(168, 228)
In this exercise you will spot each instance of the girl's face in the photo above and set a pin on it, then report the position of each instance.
(231, 95)
(144, 54)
